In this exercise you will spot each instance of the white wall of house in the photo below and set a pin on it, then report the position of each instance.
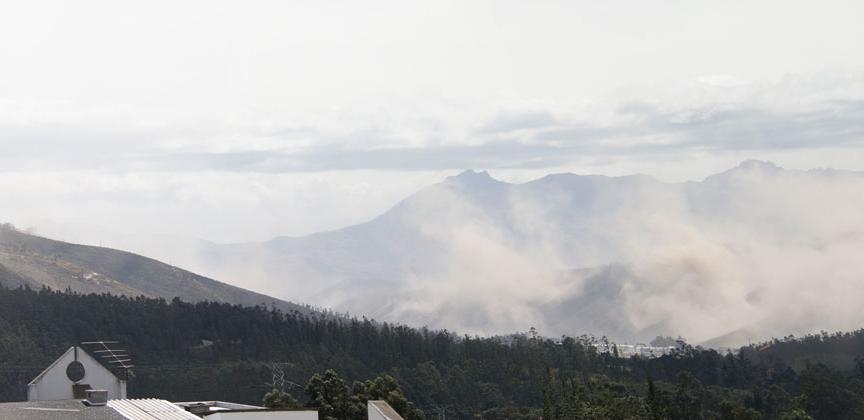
(52, 384)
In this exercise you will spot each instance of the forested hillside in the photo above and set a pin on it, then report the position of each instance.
(187, 351)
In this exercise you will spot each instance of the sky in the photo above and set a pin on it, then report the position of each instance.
(241, 121)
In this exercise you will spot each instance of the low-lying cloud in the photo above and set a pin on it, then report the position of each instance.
(756, 252)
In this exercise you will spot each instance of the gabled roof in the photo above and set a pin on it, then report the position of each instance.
(51, 366)
(81, 354)
(385, 410)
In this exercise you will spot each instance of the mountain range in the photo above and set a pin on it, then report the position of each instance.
(748, 253)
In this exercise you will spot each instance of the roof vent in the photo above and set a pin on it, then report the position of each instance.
(198, 408)
(96, 397)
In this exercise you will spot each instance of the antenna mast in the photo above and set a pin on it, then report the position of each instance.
(117, 358)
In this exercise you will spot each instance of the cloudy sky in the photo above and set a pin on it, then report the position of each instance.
(239, 121)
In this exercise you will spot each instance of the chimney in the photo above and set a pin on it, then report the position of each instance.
(96, 397)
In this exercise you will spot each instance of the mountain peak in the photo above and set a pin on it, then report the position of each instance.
(472, 177)
(746, 167)
(474, 182)
(472, 174)
(762, 165)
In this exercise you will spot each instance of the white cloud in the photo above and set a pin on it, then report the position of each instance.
(722, 80)
(172, 93)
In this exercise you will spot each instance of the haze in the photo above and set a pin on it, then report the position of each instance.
(235, 122)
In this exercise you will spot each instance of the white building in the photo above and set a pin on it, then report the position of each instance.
(380, 410)
(139, 409)
(70, 375)
(222, 410)
(78, 387)
(264, 415)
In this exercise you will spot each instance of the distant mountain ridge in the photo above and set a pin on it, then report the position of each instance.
(36, 262)
(753, 251)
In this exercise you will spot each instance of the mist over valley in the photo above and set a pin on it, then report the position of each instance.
(749, 253)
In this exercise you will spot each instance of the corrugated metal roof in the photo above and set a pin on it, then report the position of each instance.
(150, 409)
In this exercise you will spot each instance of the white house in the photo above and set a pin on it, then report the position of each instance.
(77, 386)
(70, 375)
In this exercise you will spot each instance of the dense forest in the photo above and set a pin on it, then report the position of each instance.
(186, 351)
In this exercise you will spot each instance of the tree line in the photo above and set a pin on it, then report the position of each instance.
(205, 351)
